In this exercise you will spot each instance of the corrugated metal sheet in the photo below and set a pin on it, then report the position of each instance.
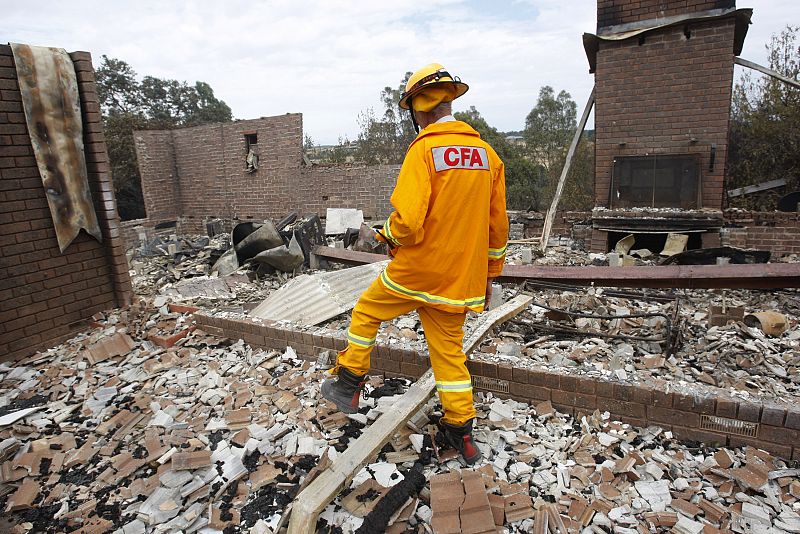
(49, 90)
(312, 299)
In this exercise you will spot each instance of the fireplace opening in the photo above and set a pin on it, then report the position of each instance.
(656, 181)
(654, 242)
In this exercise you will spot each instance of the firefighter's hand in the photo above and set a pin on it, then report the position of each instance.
(488, 301)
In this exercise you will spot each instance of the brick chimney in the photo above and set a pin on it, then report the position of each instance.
(663, 82)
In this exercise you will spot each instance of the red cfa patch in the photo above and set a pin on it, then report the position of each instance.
(460, 157)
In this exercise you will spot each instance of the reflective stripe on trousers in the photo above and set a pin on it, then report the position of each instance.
(443, 331)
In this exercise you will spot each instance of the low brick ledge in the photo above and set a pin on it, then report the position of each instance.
(713, 419)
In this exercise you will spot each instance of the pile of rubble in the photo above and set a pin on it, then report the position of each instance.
(634, 336)
(239, 270)
(112, 431)
(145, 425)
(622, 335)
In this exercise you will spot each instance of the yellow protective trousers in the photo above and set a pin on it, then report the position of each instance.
(443, 331)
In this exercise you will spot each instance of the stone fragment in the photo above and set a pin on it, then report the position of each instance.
(191, 460)
(24, 496)
(685, 507)
(655, 493)
(518, 507)
(756, 513)
(153, 512)
(723, 458)
(475, 513)
(447, 496)
(687, 526)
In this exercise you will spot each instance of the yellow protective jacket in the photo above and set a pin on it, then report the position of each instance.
(450, 225)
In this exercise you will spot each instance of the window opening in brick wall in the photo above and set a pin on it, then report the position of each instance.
(251, 151)
(660, 181)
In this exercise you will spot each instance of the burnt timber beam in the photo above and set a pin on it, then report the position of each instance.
(769, 72)
(744, 276)
(551, 213)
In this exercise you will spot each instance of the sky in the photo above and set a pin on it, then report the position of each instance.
(330, 59)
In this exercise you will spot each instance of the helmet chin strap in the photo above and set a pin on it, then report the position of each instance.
(413, 118)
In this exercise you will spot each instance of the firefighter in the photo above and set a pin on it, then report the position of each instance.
(448, 236)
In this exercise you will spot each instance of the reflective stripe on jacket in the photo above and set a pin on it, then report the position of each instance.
(450, 223)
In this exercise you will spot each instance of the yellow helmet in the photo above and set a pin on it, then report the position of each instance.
(430, 86)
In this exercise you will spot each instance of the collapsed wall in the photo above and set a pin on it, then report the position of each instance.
(46, 295)
(248, 170)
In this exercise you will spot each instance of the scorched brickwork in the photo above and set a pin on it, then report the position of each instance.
(199, 173)
(615, 12)
(666, 93)
(46, 295)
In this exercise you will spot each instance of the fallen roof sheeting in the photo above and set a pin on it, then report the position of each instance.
(315, 497)
(748, 276)
(311, 299)
(49, 91)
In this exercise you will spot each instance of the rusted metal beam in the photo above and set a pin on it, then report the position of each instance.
(347, 257)
(747, 276)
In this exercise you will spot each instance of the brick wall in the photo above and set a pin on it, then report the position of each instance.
(655, 97)
(193, 174)
(364, 187)
(44, 293)
(774, 427)
(155, 153)
(775, 231)
(613, 12)
(571, 224)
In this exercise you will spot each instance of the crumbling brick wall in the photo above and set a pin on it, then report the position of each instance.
(44, 294)
(776, 231)
(364, 187)
(199, 173)
(666, 93)
(614, 12)
(156, 157)
(212, 171)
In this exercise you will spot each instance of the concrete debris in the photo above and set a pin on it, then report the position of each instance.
(146, 424)
(743, 360)
(214, 434)
(339, 220)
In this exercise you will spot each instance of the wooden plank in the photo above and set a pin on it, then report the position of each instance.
(499, 315)
(763, 186)
(551, 213)
(769, 72)
(315, 497)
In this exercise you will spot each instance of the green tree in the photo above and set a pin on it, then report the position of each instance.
(153, 103)
(385, 139)
(521, 173)
(549, 129)
(765, 125)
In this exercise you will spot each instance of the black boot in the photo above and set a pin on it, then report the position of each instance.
(344, 390)
(460, 438)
